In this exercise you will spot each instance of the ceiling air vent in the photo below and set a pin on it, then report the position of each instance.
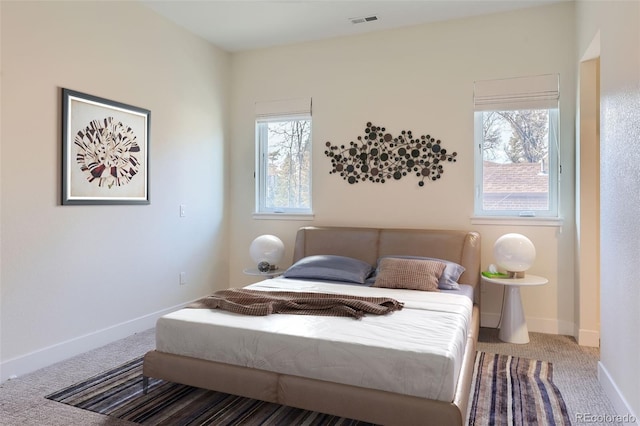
(363, 19)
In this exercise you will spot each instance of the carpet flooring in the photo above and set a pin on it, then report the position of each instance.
(23, 403)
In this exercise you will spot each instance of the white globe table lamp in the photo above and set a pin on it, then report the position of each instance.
(267, 251)
(514, 253)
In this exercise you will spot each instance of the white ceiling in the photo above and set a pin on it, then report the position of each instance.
(236, 25)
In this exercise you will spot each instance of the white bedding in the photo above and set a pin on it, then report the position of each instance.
(416, 351)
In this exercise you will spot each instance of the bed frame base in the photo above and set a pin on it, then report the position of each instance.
(354, 402)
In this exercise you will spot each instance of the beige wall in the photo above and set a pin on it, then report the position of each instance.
(420, 79)
(588, 205)
(619, 26)
(76, 277)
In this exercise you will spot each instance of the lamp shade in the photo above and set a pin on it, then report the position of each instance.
(267, 249)
(514, 252)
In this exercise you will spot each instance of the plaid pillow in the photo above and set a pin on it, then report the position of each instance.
(411, 274)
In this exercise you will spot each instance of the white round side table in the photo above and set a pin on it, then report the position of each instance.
(513, 327)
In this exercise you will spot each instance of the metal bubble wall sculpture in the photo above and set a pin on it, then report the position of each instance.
(378, 156)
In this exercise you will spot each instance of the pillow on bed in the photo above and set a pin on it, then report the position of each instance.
(449, 278)
(411, 274)
(331, 268)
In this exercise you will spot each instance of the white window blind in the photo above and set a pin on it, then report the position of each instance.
(284, 108)
(534, 92)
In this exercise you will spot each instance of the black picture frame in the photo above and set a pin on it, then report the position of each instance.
(105, 151)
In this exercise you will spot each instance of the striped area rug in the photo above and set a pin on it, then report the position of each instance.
(506, 391)
(118, 393)
(515, 391)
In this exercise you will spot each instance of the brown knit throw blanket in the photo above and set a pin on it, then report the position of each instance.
(255, 302)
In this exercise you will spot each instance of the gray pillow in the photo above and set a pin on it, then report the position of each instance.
(330, 268)
(449, 278)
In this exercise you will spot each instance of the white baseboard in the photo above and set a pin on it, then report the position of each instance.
(589, 338)
(620, 404)
(44, 357)
(537, 325)
(550, 326)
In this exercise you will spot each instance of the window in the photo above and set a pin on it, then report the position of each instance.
(516, 136)
(283, 163)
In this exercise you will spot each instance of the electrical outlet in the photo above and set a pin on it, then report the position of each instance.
(183, 278)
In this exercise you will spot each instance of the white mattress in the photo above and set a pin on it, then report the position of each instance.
(416, 351)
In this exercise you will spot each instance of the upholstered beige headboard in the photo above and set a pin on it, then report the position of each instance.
(368, 244)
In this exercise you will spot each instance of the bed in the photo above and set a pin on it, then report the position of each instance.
(192, 351)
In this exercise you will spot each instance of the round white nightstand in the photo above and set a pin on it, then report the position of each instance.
(513, 327)
(268, 274)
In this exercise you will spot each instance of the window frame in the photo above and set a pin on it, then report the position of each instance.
(555, 169)
(261, 167)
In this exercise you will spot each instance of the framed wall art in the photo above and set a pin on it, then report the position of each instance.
(105, 151)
